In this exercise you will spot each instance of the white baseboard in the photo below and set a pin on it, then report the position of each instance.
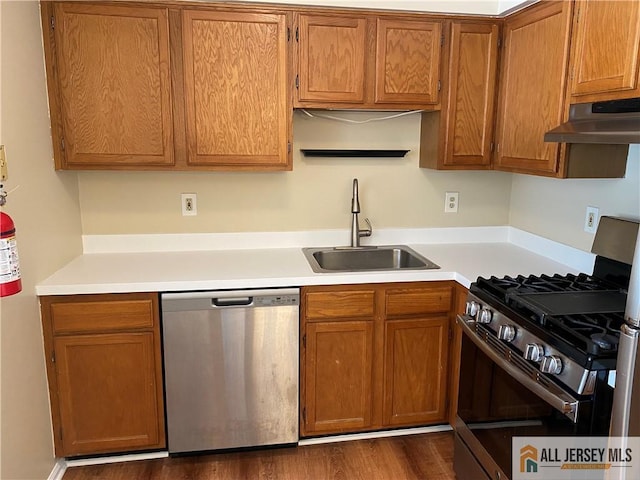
(370, 435)
(58, 470)
(61, 464)
(129, 457)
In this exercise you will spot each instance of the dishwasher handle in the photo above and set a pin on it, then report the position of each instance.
(220, 299)
(222, 302)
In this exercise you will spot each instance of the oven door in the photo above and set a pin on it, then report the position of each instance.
(501, 395)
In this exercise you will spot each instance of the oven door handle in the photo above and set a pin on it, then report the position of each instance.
(552, 394)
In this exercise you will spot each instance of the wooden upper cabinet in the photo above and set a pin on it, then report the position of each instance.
(236, 89)
(407, 61)
(332, 60)
(111, 103)
(460, 136)
(367, 61)
(606, 51)
(471, 95)
(532, 88)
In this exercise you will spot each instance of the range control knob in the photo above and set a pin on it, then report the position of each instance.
(507, 333)
(472, 308)
(485, 315)
(551, 364)
(534, 352)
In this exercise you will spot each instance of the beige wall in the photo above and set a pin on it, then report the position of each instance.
(394, 193)
(556, 208)
(46, 212)
(315, 195)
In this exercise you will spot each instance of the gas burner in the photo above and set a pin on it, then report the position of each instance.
(579, 314)
(594, 334)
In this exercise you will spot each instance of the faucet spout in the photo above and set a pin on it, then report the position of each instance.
(355, 201)
(356, 231)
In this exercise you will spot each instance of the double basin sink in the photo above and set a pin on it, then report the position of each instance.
(362, 259)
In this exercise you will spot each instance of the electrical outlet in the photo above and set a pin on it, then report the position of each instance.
(189, 204)
(451, 202)
(591, 219)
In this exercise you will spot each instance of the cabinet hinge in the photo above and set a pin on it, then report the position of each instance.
(297, 82)
(52, 22)
(304, 341)
(499, 41)
(442, 39)
(297, 34)
(288, 147)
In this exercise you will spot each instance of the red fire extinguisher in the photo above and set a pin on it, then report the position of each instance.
(10, 282)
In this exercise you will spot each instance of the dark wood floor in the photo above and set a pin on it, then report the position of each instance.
(419, 457)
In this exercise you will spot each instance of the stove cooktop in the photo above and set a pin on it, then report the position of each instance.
(580, 312)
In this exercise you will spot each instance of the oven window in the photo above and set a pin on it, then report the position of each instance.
(495, 407)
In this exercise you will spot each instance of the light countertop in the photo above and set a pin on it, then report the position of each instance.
(510, 252)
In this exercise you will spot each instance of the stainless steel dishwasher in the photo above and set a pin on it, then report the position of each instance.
(231, 368)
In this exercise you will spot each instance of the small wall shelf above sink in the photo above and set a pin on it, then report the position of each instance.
(322, 152)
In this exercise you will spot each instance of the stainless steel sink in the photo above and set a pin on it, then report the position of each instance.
(347, 259)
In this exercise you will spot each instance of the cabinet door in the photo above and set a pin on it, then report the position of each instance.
(236, 89)
(407, 61)
(606, 54)
(113, 85)
(470, 99)
(107, 393)
(415, 371)
(338, 370)
(532, 88)
(332, 60)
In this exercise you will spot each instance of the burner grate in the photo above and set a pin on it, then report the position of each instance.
(594, 334)
(580, 311)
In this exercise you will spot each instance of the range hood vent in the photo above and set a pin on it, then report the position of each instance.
(615, 122)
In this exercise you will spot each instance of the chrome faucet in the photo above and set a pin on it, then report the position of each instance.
(356, 232)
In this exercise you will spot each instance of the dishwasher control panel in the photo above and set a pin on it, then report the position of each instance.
(276, 300)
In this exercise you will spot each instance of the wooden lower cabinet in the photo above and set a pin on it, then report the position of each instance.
(105, 373)
(382, 365)
(339, 376)
(415, 379)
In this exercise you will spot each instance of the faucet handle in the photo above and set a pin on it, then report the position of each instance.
(367, 231)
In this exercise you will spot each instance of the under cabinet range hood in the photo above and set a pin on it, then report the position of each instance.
(612, 122)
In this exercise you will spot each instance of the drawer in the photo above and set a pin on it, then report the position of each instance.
(339, 304)
(417, 301)
(102, 314)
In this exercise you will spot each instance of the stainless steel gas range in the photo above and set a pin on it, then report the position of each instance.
(537, 355)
